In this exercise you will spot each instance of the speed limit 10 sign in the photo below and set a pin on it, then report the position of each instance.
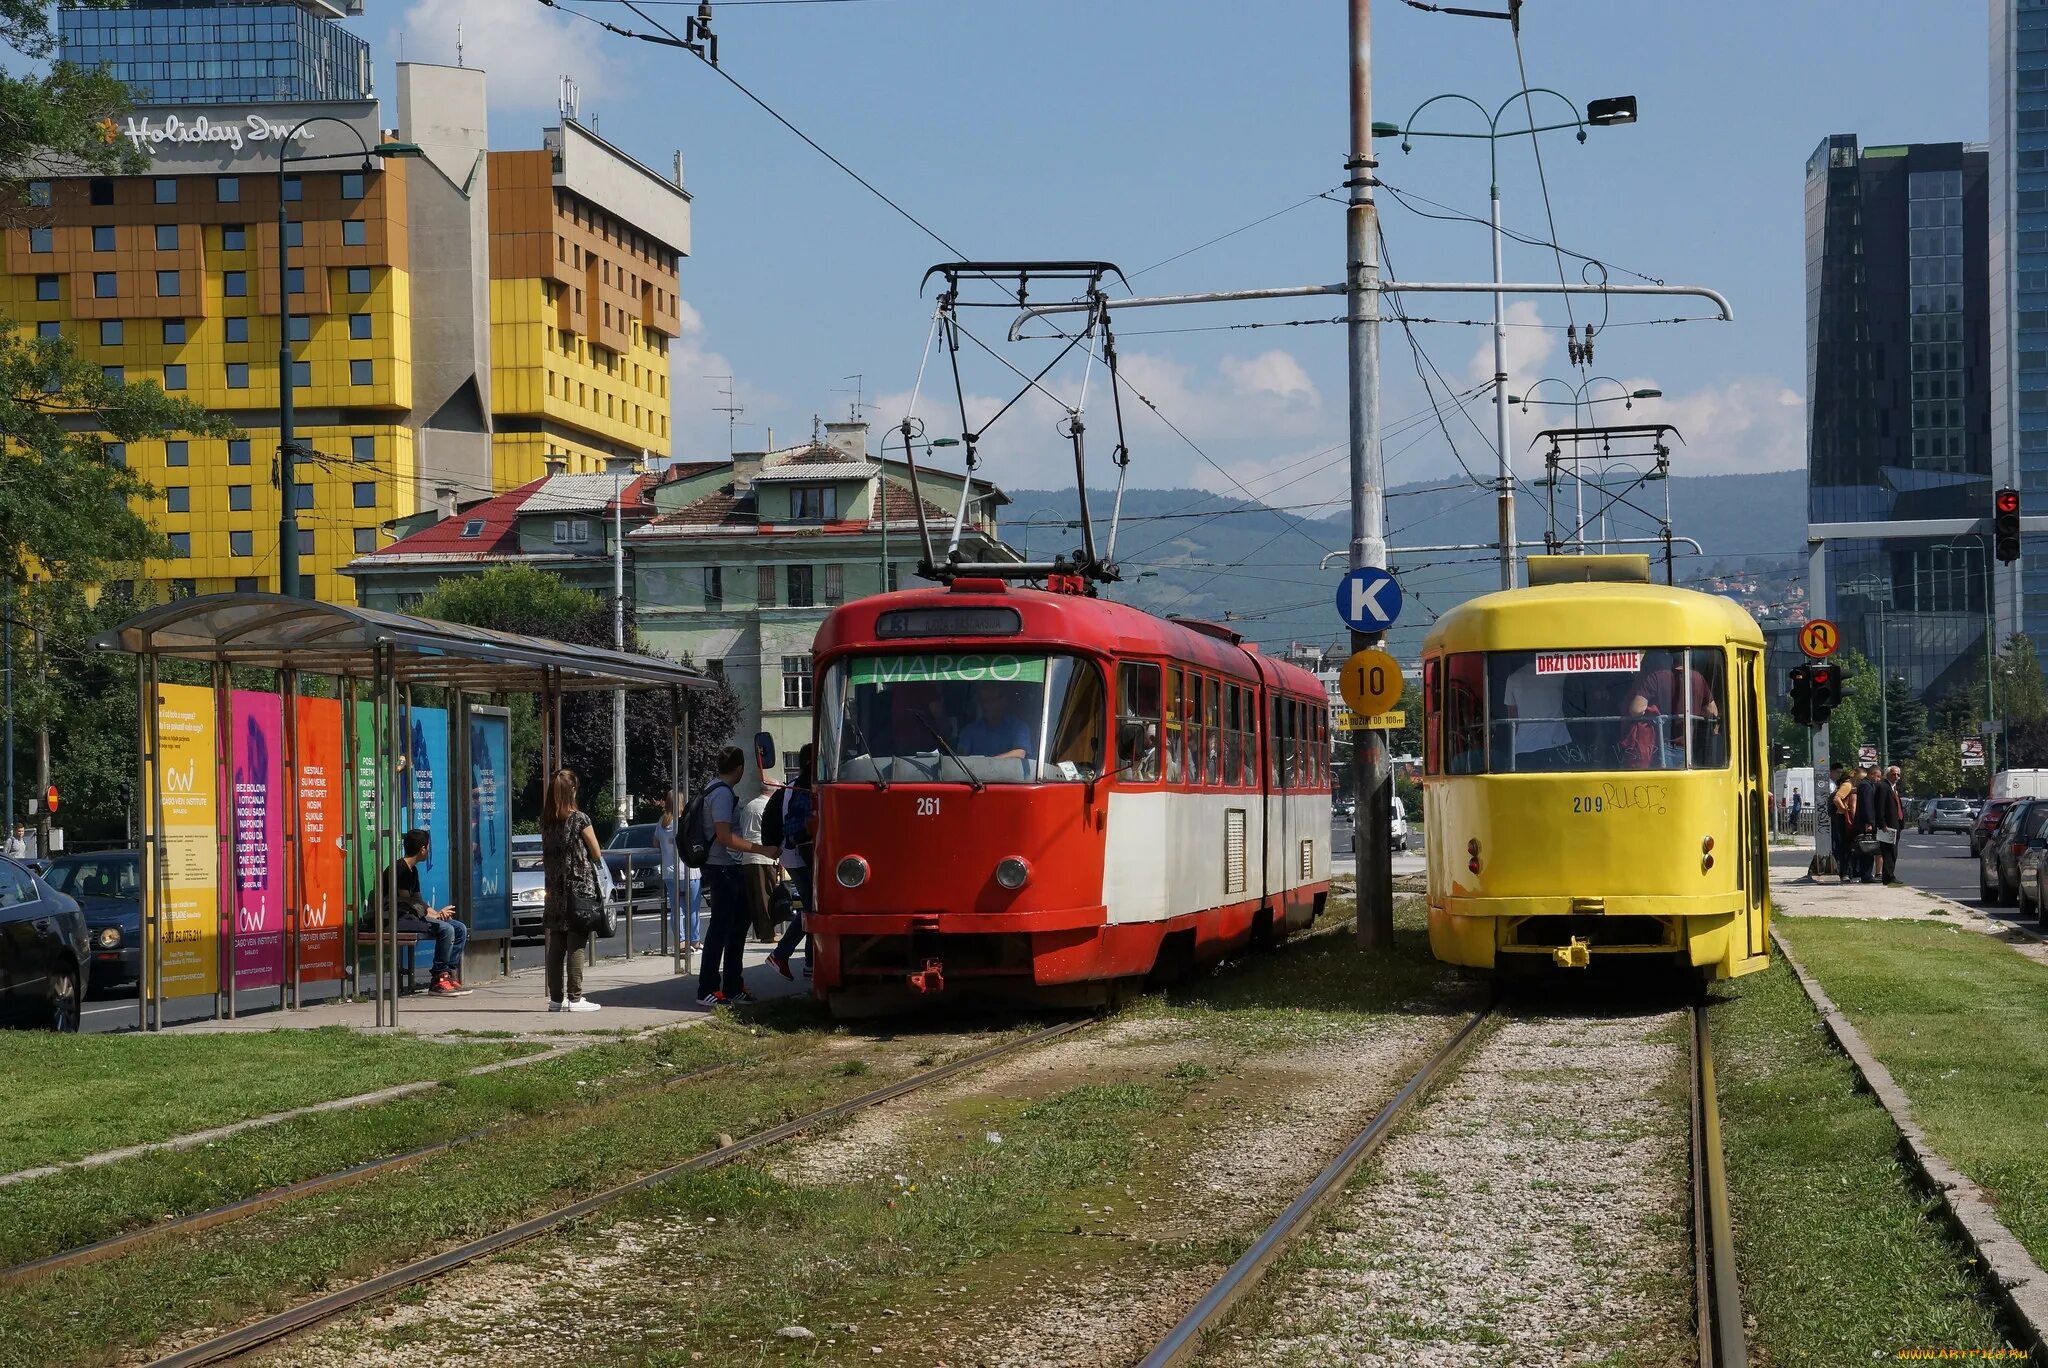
(1370, 682)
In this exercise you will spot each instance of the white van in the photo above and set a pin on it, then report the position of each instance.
(1397, 832)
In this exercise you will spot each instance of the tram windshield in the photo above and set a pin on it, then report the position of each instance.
(962, 717)
(1558, 712)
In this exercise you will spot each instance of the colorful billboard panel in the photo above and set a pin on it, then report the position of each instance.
(323, 900)
(190, 882)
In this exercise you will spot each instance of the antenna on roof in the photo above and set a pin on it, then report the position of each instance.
(458, 43)
(859, 393)
(568, 99)
(732, 411)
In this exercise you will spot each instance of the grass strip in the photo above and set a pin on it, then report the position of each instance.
(1841, 1258)
(69, 1096)
(83, 1206)
(1962, 1023)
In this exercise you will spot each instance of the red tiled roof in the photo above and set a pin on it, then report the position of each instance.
(498, 534)
(899, 506)
(720, 508)
(690, 470)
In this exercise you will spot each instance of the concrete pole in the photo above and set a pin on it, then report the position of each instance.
(619, 643)
(1505, 472)
(287, 452)
(1372, 781)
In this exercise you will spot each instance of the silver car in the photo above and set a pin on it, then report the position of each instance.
(1946, 814)
(529, 888)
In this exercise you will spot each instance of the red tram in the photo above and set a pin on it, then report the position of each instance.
(1039, 795)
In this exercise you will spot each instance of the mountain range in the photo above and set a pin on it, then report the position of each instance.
(1201, 555)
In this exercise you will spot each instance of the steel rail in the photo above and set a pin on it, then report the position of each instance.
(1182, 1342)
(238, 1342)
(121, 1243)
(1717, 1311)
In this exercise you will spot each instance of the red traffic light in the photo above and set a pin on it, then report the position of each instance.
(1821, 676)
(2007, 502)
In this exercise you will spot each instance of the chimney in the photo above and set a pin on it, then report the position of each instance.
(849, 439)
(621, 465)
(557, 465)
(444, 500)
(745, 466)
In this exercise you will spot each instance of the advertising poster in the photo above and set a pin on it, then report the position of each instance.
(190, 915)
(490, 822)
(256, 762)
(323, 902)
(427, 757)
(363, 828)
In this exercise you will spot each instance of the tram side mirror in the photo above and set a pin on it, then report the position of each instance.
(764, 751)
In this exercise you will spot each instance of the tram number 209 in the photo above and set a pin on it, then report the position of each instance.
(1591, 802)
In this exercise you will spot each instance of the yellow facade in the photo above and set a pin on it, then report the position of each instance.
(581, 396)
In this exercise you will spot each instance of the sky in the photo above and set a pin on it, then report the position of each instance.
(1134, 130)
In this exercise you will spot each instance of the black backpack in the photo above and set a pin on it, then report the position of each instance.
(693, 837)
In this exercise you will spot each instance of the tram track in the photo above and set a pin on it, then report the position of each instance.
(240, 1342)
(1717, 1308)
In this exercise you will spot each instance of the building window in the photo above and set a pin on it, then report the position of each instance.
(42, 240)
(101, 191)
(835, 584)
(796, 681)
(166, 284)
(359, 326)
(234, 237)
(166, 190)
(813, 503)
(238, 375)
(358, 280)
(765, 586)
(305, 542)
(304, 496)
(352, 185)
(105, 284)
(714, 586)
(473, 529)
(39, 194)
(363, 448)
(46, 288)
(236, 329)
(167, 237)
(295, 234)
(178, 499)
(177, 452)
(240, 498)
(302, 374)
(174, 377)
(112, 332)
(228, 189)
(354, 233)
(181, 545)
(301, 328)
(571, 531)
(241, 543)
(295, 280)
(366, 540)
(360, 373)
(238, 447)
(294, 189)
(248, 584)
(114, 375)
(174, 332)
(801, 592)
(49, 330)
(366, 493)
(115, 452)
(102, 237)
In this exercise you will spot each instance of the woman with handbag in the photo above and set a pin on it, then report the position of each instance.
(575, 903)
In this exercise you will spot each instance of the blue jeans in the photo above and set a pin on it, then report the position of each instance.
(449, 936)
(685, 906)
(725, 944)
(801, 877)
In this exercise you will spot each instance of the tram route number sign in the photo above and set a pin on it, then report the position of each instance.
(1973, 752)
(1819, 638)
(1370, 682)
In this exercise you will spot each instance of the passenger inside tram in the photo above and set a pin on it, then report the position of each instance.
(994, 732)
(1555, 712)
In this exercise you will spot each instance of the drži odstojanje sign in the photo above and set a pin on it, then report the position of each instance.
(246, 138)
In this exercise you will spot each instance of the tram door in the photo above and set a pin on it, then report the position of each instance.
(1753, 873)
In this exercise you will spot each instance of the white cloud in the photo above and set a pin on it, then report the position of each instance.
(697, 430)
(524, 49)
(1529, 349)
(1749, 423)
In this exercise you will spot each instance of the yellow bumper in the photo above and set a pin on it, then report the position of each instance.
(1481, 932)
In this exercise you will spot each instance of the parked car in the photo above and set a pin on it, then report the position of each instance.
(43, 952)
(107, 886)
(529, 888)
(1945, 814)
(1988, 818)
(1398, 827)
(1998, 865)
(641, 842)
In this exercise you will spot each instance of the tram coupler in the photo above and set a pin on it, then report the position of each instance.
(930, 979)
(1574, 954)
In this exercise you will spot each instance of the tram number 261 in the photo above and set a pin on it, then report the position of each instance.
(927, 807)
(1590, 802)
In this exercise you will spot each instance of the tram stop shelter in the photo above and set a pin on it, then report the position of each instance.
(271, 818)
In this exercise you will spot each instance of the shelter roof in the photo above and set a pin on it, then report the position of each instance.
(270, 631)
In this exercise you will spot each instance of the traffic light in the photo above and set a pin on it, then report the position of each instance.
(1781, 756)
(1802, 695)
(2005, 524)
(1826, 682)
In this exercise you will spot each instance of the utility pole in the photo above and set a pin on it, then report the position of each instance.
(1372, 784)
(619, 643)
(42, 752)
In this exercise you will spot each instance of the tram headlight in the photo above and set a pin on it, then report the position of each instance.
(1013, 873)
(852, 872)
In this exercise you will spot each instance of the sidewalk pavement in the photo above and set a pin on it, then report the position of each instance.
(1795, 893)
(638, 994)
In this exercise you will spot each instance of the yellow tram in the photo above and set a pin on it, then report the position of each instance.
(1594, 774)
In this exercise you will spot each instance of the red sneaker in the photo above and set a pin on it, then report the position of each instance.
(781, 966)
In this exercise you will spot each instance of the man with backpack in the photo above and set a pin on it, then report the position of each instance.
(792, 823)
(712, 842)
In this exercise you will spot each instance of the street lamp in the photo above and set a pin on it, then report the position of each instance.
(287, 443)
(1601, 113)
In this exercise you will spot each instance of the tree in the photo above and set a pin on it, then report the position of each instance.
(56, 121)
(1905, 720)
(534, 603)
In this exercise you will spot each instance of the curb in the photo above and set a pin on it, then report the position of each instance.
(2020, 1283)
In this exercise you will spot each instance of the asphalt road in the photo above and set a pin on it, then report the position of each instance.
(1940, 863)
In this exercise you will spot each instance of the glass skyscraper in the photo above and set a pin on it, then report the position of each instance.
(2019, 293)
(214, 52)
(1899, 455)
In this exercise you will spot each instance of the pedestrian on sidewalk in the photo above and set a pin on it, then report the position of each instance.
(792, 823)
(1841, 815)
(679, 885)
(758, 874)
(1798, 805)
(570, 859)
(1868, 812)
(723, 978)
(1891, 835)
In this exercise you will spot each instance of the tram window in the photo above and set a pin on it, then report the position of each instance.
(1233, 743)
(1075, 717)
(1248, 738)
(1212, 728)
(1591, 710)
(1464, 714)
(1322, 747)
(1273, 743)
(1432, 719)
(1137, 722)
(1191, 727)
(1290, 773)
(1175, 744)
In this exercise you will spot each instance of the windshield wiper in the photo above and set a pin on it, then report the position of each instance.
(860, 739)
(951, 754)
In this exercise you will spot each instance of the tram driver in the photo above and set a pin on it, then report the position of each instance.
(994, 732)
